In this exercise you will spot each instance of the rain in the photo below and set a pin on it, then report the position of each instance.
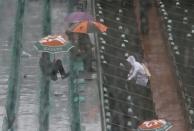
(96, 65)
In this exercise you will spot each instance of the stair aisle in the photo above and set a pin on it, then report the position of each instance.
(27, 117)
(6, 27)
(59, 114)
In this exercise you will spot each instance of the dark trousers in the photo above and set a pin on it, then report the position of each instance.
(57, 67)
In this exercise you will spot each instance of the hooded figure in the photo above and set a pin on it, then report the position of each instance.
(136, 68)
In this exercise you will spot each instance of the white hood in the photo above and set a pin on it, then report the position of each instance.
(136, 67)
(131, 60)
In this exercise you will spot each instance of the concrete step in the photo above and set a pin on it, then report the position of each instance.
(2, 115)
(27, 119)
(3, 81)
(27, 122)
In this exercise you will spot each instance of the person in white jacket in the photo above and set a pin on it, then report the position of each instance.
(136, 68)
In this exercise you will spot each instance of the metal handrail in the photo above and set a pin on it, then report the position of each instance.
(14, 80)
(99, 71)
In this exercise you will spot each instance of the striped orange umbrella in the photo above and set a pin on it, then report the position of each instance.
(88, 27)
(53, 44)
(155, 125)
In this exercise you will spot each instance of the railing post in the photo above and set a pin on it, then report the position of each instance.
(13, 81)
(75, 66)
(91, 8)
(45, 80)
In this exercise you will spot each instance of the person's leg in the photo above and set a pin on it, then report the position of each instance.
(61, 69)
(88, 61)
(54, 71)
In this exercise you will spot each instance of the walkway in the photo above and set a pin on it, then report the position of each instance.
(27, 115)
(163, 81)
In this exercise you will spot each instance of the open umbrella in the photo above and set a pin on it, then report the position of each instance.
(88, 27)
(155, 125)
(78, 16)
(53, 44)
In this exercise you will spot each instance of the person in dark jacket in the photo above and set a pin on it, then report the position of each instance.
(45, 64)
(50, 69)
(57, 66)
(82, 49)
(85, 47)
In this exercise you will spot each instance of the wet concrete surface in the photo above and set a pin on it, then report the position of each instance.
(27, 115)
(5, 39)
(164, 83)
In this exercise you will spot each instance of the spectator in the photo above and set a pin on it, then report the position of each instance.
(82, 49)
(85, 47)
(58, 67)
(75, 51)
(50, 69)
(138, 71)
(136, 68)
(45, 64)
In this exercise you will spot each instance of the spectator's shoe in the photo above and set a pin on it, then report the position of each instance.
(64, 76)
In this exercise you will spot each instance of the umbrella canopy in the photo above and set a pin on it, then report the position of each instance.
(53, 44)
(88, 27)
(155, 125)
(78, 16)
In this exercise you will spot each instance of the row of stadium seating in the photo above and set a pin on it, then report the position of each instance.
(125, 103)
(179, 25)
